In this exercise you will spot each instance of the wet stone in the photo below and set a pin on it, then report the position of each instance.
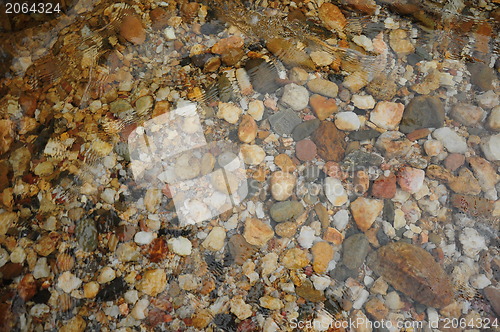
(422, 112)
(263, 75)
(112, 290)
(308, 292)
(467, 114)
(360, 158)
(362, 135)
(355, 249)
(288, 210)
(481, 75)
(305, 150)
(240, 249)
(284, 122)
(305, 129)
(329, 141)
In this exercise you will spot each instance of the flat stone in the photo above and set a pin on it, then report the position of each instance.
(229, 112)
(323, 107)
(282, 185)
(467, 114)
(252, 154)
(365, 211)
(215, 239)
(256, 109)
(393, 144)
(240, 249)
(400, 43)
(283, 211)
(422, 112)
(284, 122)
(247, 130)
(298, 75)
(323, 87)
(485, 173)
(305, 129)
(284, 162)
(329, 141)
(363, 102)
(335, 192)
(414, 272)
(411, 179)
(347, 121)
(286, 229)
(153, 282)
(491, 147)
(453, 161)
(305, 150)
(132, 30)
(332, 17)
(308, 292)
(488, 100)
(362, 135)
(295, 258)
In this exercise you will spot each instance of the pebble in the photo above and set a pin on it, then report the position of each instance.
(321, 58)
(320, 283)
(488, 100)
(180, 246)
(298, 76)
(132, 30)
(188, 282)
(283, 211)
(252, 154)
(106, 275)
(332, 17)
(68, 282)
(335, 192)
(411, 179)
(355, 249)
(399, 42)
(295, 258)
(433, 147)
(379, 287)
(306, 237)
(493, 295)
(289, 54)
(139, 311)
(329, 141)
(467, 114)
(215, 239)
(75, 324)
(127, 252)
(153, 282)
(414, 272)
(41, 270)
(295, 96)
(453, 161)
(309, 293)
(382, 88)
(365, 211)
(485, 173)
(491, 147)
(333, 236)
(322, 255)
(479, 281)
(256, 109)
(365, 102)
(284, 162)
(387, 115)
(422, 112)
(269, 263)
(18, 255)
(323, 107)
(481, 75)
(263, 75)
(90, 289)
(271, 303)
(305, 150)
(284, 122)
(223, 45)
(451, 140)
(384, 187)
(393, 301)
(159, 18)
(247, 131)
(347, 121)
(229, 112)
(44, 168)
(341, 219)
(6, 220)
(323, 87)
(257, 232)
(376, 309)
(240, 309)
(282, 185)
(472, 242)
(305, 129)
(286, 229)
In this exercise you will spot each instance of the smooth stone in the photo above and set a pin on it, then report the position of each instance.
(481, 75)
(335, 192)
(493, 121)
(295, 96)
(491, 147)
(387, 115)
(363, 135)
(305, 129)
(329, 141)
(355, 249)
(422, 112)
(282, 185)
(323, 107)
(347, 121)
(365, 211)
(467, 114)
(288, 210)
(252, 154)
(284, 122)
(365, 102)
(323, 87)
(132, 30)
(305, 150)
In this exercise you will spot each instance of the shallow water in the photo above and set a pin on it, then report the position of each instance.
(250, 166)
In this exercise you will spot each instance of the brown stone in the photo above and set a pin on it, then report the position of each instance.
(295, 258)
(6, 135)
(247, 131)
(493, 295)
(132, 30)
(4, 174)
(473, 205)
(361, 182)
(384, 187)
(28, 104)
(323, 107)
(365, 6)
(376, 309)
(284, 162)
(413, 271)
(222, 46)
(47, 244)
(257, 232)
(189, 10)
(159, 18)
(308, 292)
(332, 235)
(454, 161)
(240, 249)
(365, 211)
(418, 134)
(27, 287)
(305, 150)
(329, 141)
(332, 17)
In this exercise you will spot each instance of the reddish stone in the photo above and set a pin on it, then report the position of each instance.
(384, 187)
(305, 150)
(159, 18)
(418, 134)
(28, 104)
(125, 232)
(329, 141)
(323, 107)
(27, 287)
(157, 250)
(11, 270)
(454, 161)
(132, 30)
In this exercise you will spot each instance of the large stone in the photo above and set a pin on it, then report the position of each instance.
(451, 140)
(295, 96)
(481, 75)
(467, 114)
(414, 272)
(322, 255)
(283, 211)
(422, 112)
(132, 30)
(329, 141)
(365, 211)
(305, 129)
(257, 232)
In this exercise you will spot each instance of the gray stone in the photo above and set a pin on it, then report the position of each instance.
(305, 129)
(481, 75)
(287, 210)
(284, 122)
(467, 114)
(356, 248)
(362, 135)
(361, 158)
(295, 96)
(422, 112)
